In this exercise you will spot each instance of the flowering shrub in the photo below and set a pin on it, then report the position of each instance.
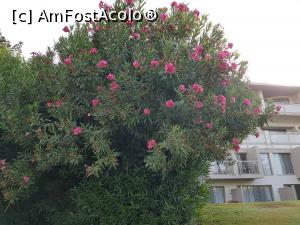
(122, 127)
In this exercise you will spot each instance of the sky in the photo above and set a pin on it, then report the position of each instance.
(265, 32)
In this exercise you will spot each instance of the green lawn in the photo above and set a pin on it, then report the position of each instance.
(271, 213)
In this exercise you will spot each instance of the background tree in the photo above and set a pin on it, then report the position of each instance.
(120, 129)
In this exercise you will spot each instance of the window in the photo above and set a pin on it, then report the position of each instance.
(217, 195)
(282, 164)
(265, 163)
(258, 193)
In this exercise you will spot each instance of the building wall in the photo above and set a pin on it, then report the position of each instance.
(270, 142)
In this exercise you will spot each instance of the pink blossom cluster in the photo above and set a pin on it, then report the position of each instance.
(95, 102)
(102, 64)
(104, 5)
(196, 54)
(236, 144)
(58, 103)
(247, 102)
(181, 7)
(170, 68)
(154, 63)
(77, 131)
(197, 88)
(151, 144)
(26, 179)
(147, 112)
(224, 64)
(2, 164)
(222, 100)
(163, 17)
(68, 61)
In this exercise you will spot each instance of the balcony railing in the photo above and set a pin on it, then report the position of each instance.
(289, 108)
(248, 167)
(221, 169)
(271, 138)
(239, 170)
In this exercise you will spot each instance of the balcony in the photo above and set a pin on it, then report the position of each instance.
(248, 167)
(271, 139)
(219, 168)
(240, 170)
(289, 109)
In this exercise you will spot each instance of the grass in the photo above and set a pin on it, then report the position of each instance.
(271, 213)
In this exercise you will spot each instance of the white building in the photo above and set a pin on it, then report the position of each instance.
(266, 168)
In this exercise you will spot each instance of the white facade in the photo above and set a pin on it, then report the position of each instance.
(267, 168)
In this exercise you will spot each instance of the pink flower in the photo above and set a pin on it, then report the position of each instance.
(49, 103)
(104, 5)
(223, 54)
(26, 179)
(2, 163)
(236, 148)
(68, 61)
(145, 29)
(58, 103)
(163, 16)
(236, 144)
(230, 45)
(101, 4)
(170, 103)
(129, 2)
(199, 49)
(66, 29)
(278, 108)
(136, 36)
(97, 28)
(111, 77)
(174, 4)
(182, 7)
(233, 66)
(154, 63)
(147, 112)
(197, 88)
(93, 51)
(182, 88)
(222, 99)
(209, 125)
(208, 57)
(114, 86)
(170, 68)
(235, 141)
(196, 13)
(130, 23)
(102, 64)
(77, 131)
(151, 143)
(198, 105)
(195, 57)
(95, 102)
(256, 135)
(223, 65)
(257, 110)
(247, 102)
(136, 64)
